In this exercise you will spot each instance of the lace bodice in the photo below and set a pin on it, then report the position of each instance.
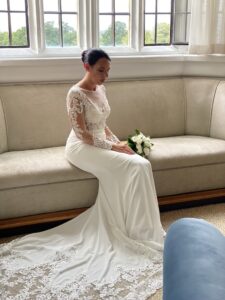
(88, 111)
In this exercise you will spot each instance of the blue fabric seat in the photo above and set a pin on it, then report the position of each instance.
(194, 261)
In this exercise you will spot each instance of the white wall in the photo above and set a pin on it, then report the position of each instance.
(70, 69)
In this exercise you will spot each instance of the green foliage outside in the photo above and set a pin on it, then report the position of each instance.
(163, 35)
(52, 35)
(121, 35)
(19, 37)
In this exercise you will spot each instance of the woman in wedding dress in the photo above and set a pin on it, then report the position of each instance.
(114, 249)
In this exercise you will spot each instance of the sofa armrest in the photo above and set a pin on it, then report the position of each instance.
(194, 261)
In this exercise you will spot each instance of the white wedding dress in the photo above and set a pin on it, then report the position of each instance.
(111, 251)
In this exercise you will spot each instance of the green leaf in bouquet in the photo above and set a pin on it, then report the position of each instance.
(137, 131)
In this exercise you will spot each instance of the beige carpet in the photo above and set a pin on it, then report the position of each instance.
(215, 214)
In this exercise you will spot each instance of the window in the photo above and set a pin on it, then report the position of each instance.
(60, 23)
(114, 23)
(182, 15)
(166, 22)
(14, 24)
(65, 27)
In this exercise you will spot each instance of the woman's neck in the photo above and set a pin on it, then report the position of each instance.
(87, 84)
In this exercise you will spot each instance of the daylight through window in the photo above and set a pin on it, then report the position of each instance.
(114, 23)
(14, 29)
(166, 22)
(60, 23)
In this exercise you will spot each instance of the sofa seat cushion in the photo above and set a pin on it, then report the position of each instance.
(186, 151)
(35, 167)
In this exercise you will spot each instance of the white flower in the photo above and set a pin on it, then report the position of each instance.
(148, 144)
(134, 138)
(139, 148)
(139, 139)
(146, 151)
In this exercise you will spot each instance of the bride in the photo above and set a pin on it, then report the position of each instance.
(114, 249)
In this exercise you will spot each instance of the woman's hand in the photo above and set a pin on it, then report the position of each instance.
(122, 147)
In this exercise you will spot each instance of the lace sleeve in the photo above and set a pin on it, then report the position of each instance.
(110, 136)
(75, 108)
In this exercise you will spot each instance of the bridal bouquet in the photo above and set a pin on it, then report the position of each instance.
(140, 143)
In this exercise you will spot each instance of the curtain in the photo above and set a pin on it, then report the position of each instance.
(207, 28)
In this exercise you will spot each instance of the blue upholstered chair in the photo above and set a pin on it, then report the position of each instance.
(194, 261)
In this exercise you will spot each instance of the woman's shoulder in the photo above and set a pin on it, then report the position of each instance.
(76, 92)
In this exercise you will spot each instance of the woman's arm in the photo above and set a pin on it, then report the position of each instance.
(110, 136)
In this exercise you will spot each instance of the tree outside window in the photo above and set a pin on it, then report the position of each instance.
(14, 29)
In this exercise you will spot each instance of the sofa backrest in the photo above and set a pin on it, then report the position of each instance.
(3, 135)
(217, 129)
(199, 93)
(35, 115)
(156, 107)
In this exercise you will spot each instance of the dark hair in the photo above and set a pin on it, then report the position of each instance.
(92, 55)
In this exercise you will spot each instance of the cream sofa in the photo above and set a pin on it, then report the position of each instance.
(184, 116)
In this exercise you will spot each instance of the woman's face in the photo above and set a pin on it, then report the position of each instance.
(99, 72)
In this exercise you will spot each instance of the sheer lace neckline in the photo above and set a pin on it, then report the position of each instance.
(89, 91)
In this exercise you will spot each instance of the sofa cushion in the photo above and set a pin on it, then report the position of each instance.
(156, 107)
(44, 166)
(3, 135)
(218, 113)
(186, 151)
(189, 179)
(35, 115)
(35, 167)
(200, 94)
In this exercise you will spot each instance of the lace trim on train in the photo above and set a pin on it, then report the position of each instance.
(35, 282)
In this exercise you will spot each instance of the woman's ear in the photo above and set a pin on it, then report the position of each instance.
(86, 67)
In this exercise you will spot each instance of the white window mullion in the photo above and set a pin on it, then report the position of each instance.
(140, 14)
(136, 18)
(94, 28)
(84, 23)
(39, 26)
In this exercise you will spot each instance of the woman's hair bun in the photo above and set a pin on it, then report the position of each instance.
(84, 56)
(92, 55)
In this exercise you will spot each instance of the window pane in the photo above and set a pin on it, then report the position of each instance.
(3, 5)
(164, 6)
(180, 5)
(122, 6)
(69, 5)
(50, 5)
(105, 31)
(122, 30)
(69, 24)
(4, 36)
(150, 5)
(149, 29)
(51, 30)
(17, 5)
(19, 33)
(163, 29)
(179, 28)
(105, 6)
